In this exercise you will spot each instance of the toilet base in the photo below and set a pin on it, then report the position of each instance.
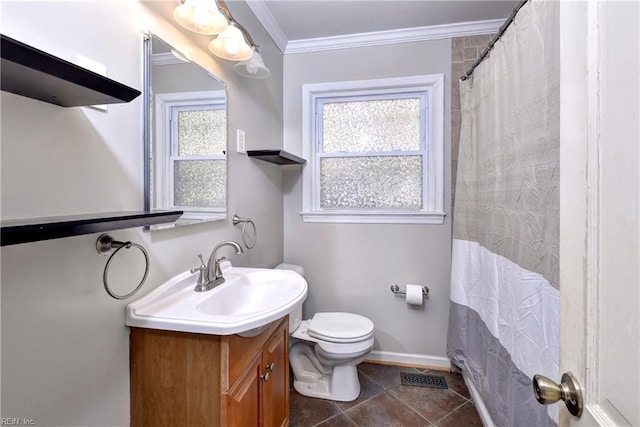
(341, 385)
(333, 381)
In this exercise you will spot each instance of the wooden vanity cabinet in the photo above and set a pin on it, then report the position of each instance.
(185, 379)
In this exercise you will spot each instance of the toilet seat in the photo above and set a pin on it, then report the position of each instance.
(340, 327)
(337, 333)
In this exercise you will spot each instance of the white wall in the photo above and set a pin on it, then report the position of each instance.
(65, 357)
(350, 267)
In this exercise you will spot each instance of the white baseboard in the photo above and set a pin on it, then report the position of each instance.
(477, 400)
(407, 359)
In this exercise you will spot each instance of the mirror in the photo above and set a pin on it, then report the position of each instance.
(185, 136)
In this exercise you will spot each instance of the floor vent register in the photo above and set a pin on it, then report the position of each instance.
(423, 380)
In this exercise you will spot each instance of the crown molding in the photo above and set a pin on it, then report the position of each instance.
(434, 32)
(262, 12)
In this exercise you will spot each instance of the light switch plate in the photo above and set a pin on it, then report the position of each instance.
(240, 142)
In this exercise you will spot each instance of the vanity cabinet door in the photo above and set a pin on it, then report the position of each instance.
(175, 378)
(242, 402)
(275, 391)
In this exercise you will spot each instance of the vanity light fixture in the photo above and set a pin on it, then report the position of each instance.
(201, 16)
(252, 68)
(233, 41)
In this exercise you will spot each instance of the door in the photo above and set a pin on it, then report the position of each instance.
(242, 402)
(275, 390)
(599, 208)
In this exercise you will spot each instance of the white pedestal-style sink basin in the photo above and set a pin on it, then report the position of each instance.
(248, 299)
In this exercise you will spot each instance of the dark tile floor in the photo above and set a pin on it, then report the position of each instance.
(384, 401)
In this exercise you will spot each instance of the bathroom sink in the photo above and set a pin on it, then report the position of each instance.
(249, 299)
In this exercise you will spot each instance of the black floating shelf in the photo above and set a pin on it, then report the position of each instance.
(30, 72)
(279, 157)
(18, 231)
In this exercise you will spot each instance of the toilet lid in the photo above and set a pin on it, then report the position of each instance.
(340, 327)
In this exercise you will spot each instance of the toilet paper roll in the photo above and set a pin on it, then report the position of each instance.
(414, 294)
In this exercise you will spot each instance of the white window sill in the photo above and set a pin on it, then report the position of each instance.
(203, 215)
(374, 217)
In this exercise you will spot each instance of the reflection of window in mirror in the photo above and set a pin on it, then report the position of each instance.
(186, 137)
(198, 156)
(190, 153)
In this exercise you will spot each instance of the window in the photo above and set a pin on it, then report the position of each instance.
(375, 151)
(190, 158)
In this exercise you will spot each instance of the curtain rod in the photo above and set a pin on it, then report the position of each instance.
(493, 41)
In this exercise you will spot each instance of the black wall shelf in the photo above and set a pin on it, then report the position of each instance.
(30, 72)
(279, 157)
(13, 232)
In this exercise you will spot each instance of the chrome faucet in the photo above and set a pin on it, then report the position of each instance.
(210, 274)
(217, 278)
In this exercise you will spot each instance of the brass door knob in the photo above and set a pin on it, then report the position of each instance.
(265, 377)
(569, 391)
(271, 366)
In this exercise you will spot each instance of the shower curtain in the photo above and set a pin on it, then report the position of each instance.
(504, 317)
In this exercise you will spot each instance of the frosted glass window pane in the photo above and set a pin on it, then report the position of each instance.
(200, 183)
(371, 126)
(384, 182)
(202, 132)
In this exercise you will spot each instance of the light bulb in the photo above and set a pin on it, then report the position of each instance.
(231, 46)
(200, 15)
(252, 69)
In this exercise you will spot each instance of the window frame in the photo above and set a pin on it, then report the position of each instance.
(432, 87)
(164, 158)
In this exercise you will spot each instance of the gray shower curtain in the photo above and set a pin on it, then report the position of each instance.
(504, 316)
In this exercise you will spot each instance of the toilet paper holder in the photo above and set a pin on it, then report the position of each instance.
(396, 290)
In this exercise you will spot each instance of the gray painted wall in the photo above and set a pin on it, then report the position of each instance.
(349, 267)
(65, 358)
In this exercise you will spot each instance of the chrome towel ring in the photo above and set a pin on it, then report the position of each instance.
(237, 220)
(104, 245)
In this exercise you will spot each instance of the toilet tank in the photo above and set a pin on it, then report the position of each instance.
(295, 317)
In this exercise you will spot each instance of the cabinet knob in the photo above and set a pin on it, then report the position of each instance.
(265, 377)
(271, 366)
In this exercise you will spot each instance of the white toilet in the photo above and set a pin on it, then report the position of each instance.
(325, 350)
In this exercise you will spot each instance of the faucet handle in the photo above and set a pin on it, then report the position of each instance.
(203, 266)
(202, 277)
